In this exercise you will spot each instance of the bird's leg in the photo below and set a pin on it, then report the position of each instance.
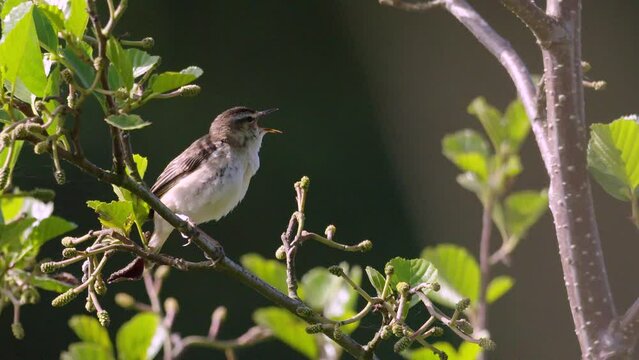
(191, 224)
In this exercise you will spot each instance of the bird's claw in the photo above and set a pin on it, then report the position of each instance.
(191, 224)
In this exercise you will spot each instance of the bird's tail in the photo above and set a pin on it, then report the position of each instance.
(135, 269)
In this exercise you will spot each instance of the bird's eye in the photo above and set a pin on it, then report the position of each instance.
(246, 119)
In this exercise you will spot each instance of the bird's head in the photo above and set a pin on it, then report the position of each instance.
(240, 124)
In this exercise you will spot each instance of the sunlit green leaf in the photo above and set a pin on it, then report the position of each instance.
(54, 14)
(288, 329)
(506, 132)
(133, 340)
(84, 351)
(271, 271)
(458, 273)
(89, 330)
(413, 272)
(613, 156)
(11, 207)
(330, 294)
(44, 29)
(468, 150)
(48, 229)
(466, 351)
(20, 49)
(11, 233)
(376, 279)
(114, 215)
(121, 61)
(170, 80)
(8, 6)
(521, 210)
(78, 18)
(142, 62)
(498, 287)
(127, 121)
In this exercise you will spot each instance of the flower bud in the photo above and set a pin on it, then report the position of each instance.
(41, 147)
(280, 253)
(17, 330)
(20, 131)
(124, 300)
(5, 139)
(99, 286)
(397, 329)
(4, 178)
(386, 333)
(40, 106)
(337, 333)
(69, 252)
(437, 331)
(60, 177)
(190, 90)
(402, 344)
(67, 76)
(442, 355)
(67, 241)
(487, 344)
(88, 305)
(64, 298)
(147, 43)
(389, 269)
(330, 231)
(314, 329)
(435, 286)
(403, 288)
(104, 318)
(122, 93)
(305, 182)
(304, 311)
(49, 267)
(336, 270)
(171, 305)
(98, 63)
(462, 304)
(365, 245)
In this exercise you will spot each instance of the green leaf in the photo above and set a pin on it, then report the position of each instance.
(49, 284)
(468, 150)
(521, 210)
(458, 273)
(141, 163)
(54, 14)
(133, 339)
(324, 292)
(288, 329)
(466, 351)
(114, 215)
(413, 271)
(85, 351)
(517, 124)
(89, 330)
(271, 271)
(613, 156)
(376, 279)
(506, 132)
(121, 61)
(170, 80)
(49, 229)
(20, 49)
(8, 6)
(127, 121)
(498, 287)
(11, 207)
(11, 233)
(83, 72)
(76, 22)
(44, 29)
(142, 62)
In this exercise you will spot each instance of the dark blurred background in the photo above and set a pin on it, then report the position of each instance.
(366, 94)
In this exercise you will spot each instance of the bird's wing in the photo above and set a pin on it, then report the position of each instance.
(187, 162)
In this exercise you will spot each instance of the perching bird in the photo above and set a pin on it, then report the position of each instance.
(208, 179)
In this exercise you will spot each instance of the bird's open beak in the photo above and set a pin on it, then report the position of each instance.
(264, 113)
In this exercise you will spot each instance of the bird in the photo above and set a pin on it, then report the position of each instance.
(208, 179)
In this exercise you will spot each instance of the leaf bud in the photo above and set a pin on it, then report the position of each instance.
(365, 245)
(69, 252)
(330, 231)
(389, 269)
(280, 253)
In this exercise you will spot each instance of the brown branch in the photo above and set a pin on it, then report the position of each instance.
(413, 6)
(484, 264)
(545, 28)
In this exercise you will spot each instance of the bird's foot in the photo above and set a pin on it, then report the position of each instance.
(191, 224)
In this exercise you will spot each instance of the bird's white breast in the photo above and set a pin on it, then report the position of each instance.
(217, 186)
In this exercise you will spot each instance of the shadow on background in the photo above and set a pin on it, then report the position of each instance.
(366, 93)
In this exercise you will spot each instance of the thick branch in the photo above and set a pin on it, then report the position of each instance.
(545, 28)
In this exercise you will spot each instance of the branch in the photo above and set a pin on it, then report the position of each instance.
(484, 263)
(546, 29)
(413, 6)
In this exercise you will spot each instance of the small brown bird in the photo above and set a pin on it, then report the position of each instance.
(208, 179)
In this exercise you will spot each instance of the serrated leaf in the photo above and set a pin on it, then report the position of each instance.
(170, 80)
(376, 279)
(506, 132)
(20, 49)
(127, 121)
(288, 329)
(49, 284)
(88, 329)
(413, 272)
(114, 215)
(271, 271)
(458, 273)
(121, 61)
(468, 150)
(613, 156)
(141, 61)
(84, 351)
(498, 287)
(48, 229)
(521, 210)
(77, 20)
(134, 338)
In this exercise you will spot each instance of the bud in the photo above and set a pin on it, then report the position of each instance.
(98, 63)
(67, 241)
(314, 329)
(171, 305)
(99, 286)
(104, 318)
(437, 331)
(487, 344)
(435, 286)
(389, 269)
(69, 252)
(20, 131)
(304, 311)
(403, 288)
(162, 272)
(67, 76)
(585, 66)
(124, 300)
(49, 267)
(402, 344)
(464, 326)
(336, 270)
(337, 333)
(462, 304)
(122, 93)
(330, 231)
(41, 147)
(397, 329)
(64, 298)
(60, 177)
(599, 85)
(280, 253)
(365, 245)
(305, 182)
(4, 178)
(89, 306)
(386, 333)
(40, 106)
(17, 330)
(189, 90)
(5, 139)
(147, 43)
